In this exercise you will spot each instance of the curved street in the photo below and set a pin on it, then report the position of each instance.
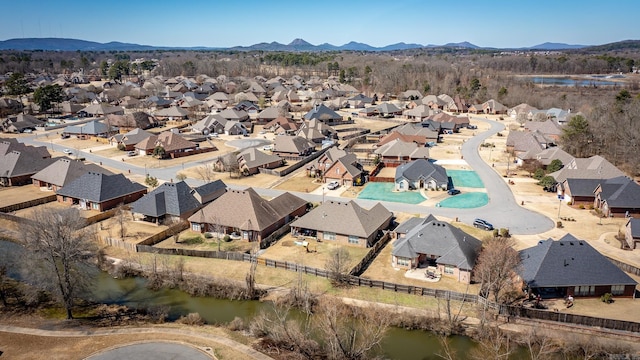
(502, 210)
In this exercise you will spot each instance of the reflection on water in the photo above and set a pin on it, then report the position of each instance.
(399, 343)
(562, 81)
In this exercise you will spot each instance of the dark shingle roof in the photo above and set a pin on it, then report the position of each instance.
(568, 262)
(98, 187)
(421, 168)
(406, 226)
(322, 113)
(583, 187)
(451, 245)
(169, 198)
(635, 227)
(621, 192)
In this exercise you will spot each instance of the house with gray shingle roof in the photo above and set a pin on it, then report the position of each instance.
(17, 166)
(92, 128)
(619, 197)
(20, 123)
(102, 109)
(387, 110)
(420, 174)
(250, 160)
(397, 151)
(101, 192)
(546, 156)
(62, 172)
(324, 114)
(632, 233)
(439, 244)
(580, 192)
(548, 128)
(595, 167)
(292, 146)
(248, 215)
(234, 115)
(175, 201)
(555, 269)
(130, 139)
(344, 223)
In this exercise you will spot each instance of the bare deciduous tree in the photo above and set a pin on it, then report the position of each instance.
(493, 344)
(539, 346)
(338, 265)
(121, 218)
(61, 248)
(206, 172)
(351, 332)
(496, 267)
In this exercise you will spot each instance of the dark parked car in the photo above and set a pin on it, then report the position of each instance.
(453, 192)
(472, 127)
(482, 224)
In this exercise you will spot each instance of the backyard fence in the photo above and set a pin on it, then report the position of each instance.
(505, 310)
(373, 252)
(172, 230)
(301, 162)
(28, 204)
(267, 241)
(574, 319)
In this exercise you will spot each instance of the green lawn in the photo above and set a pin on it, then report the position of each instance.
(384, 192)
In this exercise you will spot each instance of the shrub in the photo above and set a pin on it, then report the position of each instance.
(496, 232)
(581, 207)
(208, 235)
(191, 319)
(226, 238)
(539, 174)
(121, 147)
(504, 232)
(236, 324)
(607, 298)
(559, 224)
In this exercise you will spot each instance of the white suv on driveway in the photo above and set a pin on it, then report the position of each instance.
(333, 185)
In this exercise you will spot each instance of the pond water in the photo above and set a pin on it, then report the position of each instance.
(399, 343)
(565, 81)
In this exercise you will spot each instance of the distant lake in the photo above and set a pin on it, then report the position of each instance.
(565, 81)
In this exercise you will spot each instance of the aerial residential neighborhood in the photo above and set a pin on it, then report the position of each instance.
(306, 172)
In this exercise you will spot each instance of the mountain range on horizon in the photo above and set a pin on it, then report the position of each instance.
(62, 44)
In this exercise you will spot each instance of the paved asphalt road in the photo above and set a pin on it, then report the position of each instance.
(502, 210)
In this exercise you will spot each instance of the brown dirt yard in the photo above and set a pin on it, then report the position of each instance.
(18, 194)
(317, 255)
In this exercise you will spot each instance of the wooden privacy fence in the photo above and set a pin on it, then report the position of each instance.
(119, 243)
(156, 238)
(28, 204)
(569, 318)
(373, 252)
(267, 241)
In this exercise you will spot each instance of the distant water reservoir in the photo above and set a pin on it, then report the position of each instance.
(565, 81)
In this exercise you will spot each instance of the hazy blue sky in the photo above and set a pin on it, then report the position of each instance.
(213, 23)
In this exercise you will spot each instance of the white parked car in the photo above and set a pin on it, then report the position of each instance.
(267, 148)
(68, 151)
(333, 185)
